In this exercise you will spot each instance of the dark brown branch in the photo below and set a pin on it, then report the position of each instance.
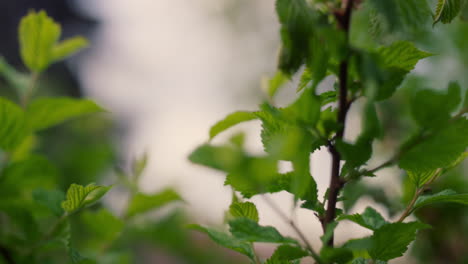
(6, 254)
(336, 183)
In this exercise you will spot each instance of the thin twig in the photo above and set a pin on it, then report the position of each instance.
(336, 183)
(416, 195)
(285, 218)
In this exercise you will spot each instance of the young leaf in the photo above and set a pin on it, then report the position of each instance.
(68, 47)
(231, 120)
(248, 230)
(447, 10)
(439, 150)
(38, 36)
(402, 55)
(79, 196)
(227, 241)
(445, 196)
(247, 209)
(142, 203)
(43, 113)
(391, 240)
(13, 128)
(370, 219)
(420, 178)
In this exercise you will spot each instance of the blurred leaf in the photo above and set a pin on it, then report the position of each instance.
(227, 241)
(79, 196)
(297, 22)
(391, 240)
(224, 158)
(142, 203)
(274, 84)
(246, 209)
(438, 150)
(447, 10)
(13, 129)
(231, 120)
(138, 166)
(43, 113)
(102, 224)
(19, 81)
(68, 47)
(370, 219)
(288, 252)
(337, 255)
(445, 196)
(51, 199)
(406, 17)
(305, 110)
(77, 258)
(248, 230)
(38, 36)
(430, 108)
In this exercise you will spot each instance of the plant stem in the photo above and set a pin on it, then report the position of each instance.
(336, 183)
(419, 191)
(28, 93)
(275, 208)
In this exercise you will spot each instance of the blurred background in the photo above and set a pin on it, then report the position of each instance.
(167, 70)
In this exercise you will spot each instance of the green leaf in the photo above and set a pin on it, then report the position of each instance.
(338, 255)
(384, 69)
(248, 230)
(447, 10)
(391, 240)
(305, 110)
(401, 55)
(43, 113)
(445, 196)
(370, 219)
(438, 150)
(15, 79)
(224, 158)
(79, 196)
(407, 17)
(13, 129)
(274, 84)
(68, 47)
(420, 178)
(246, 209)
(142, 203)
(431, 108)
(231, 120)
(297, 21)
(51, 199)
(227, 241)
(38, 36)
(288, 252)
(104, 226)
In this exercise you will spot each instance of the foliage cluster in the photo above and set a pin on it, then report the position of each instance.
(368, 49)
